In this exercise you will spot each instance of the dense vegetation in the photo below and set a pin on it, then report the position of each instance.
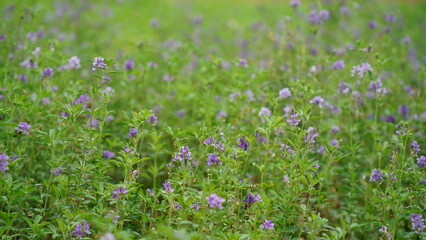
(212, 120)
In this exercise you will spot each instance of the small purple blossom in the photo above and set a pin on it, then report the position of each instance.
(268, 224)
(81, 230)
(287, 148)
(311, 135)
(133, 132)
(295, 3)
(48, 72)
(317, 100)
(338, 65)
(284, 93)
(213, 159)
(421, 161)
(417, 222)
(250, 199)
(286, 178)
(209, 141)
(221, 114)
(243, 143)
(360, 70)
(376, 175)
(129, 64)
(82, 99)
(73, 63)
(99, 63)
(415, 148)
(152, 119)
(23, 128)
(150, 193)
(117, 192)
(108, 154)
(4, 161)
(404, 110)
(264, 112)
(183, 155)
(107, 236)
(335, 143)
(243, 63)
(293, 120)
(168, 186)
(28, 63)
(215, 201)
(57, 171)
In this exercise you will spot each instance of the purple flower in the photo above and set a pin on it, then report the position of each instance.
(390, 118)
(133, 132)
(310, 137)
(406, 39)
(317, 100)
(48, 72)
(57, 171)
(23, 128)
(180, 113)
(4, 162)
(168, 77)
(243, 63)
(415, 147)
(152, 64)
(117, 192)
(183, 155)
(335, 143)
(152, 119)
(129, 64)
(384, 229)
(215, 201)
(81, 230)
(243, 143)
(404, 110)
(421, 161)
(107, 236)
(286, 178)
(209, 141)
(338, 65)
(372, 24)
(221, 114)
(268, 224)
(73, 63)
(250, 198)
(108, 154)
(264, 112)
(417, 222)
(316, 17)
(82, 99)
(321, 149)
(287, 148)
(294, 3)
(28, 63)
(293, 120)
(360, 70)
(99, 63)
(213, 159)
(2, 37)
(284, 93)
(168, 186)
(45, 101)
(390, 18)
(150, 192)
(154, 22)
(376, 175)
